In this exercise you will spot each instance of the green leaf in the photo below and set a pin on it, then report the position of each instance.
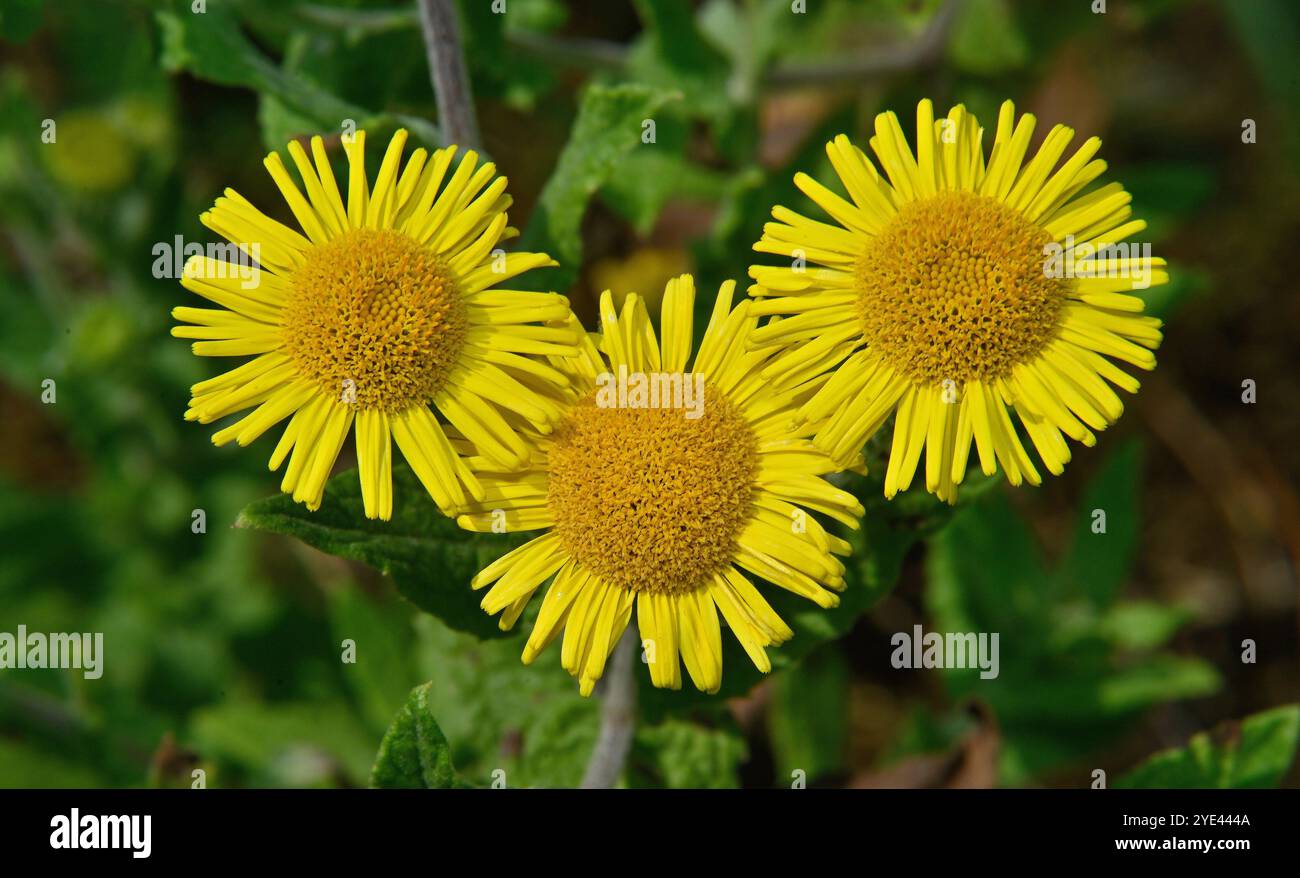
(686, 755)
(526, 725)
(1254, 753)
(557, 734)
(414, 754)
(1100, 560)
(429, 558)
(673, 53)
(652, 178)
(211, 46)
(749, 36)
(607, 130)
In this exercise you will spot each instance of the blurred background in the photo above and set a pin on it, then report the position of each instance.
(222, 647)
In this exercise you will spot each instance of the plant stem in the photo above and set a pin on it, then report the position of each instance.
(447, 70)
(579, 52)
(617, 717)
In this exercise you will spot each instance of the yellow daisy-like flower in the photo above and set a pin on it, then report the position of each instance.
(953, 293)
(378, 309)
(659, 498)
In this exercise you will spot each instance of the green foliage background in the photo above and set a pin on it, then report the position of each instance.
(223, 647)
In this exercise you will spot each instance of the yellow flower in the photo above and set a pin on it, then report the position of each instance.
(953, 294)
(659, 499)
(372, 313)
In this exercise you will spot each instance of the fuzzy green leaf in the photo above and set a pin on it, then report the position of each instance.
(673, 53)
(211, 46)
(429, 558)
(509, 723)
(686, 755)
(414, 754)
(609, 127)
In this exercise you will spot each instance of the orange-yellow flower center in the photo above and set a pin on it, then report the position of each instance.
(954, 287)
(374, 319)
(648, 499)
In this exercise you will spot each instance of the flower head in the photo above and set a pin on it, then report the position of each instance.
(380, 311)
(660, 490)
(951, 294)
